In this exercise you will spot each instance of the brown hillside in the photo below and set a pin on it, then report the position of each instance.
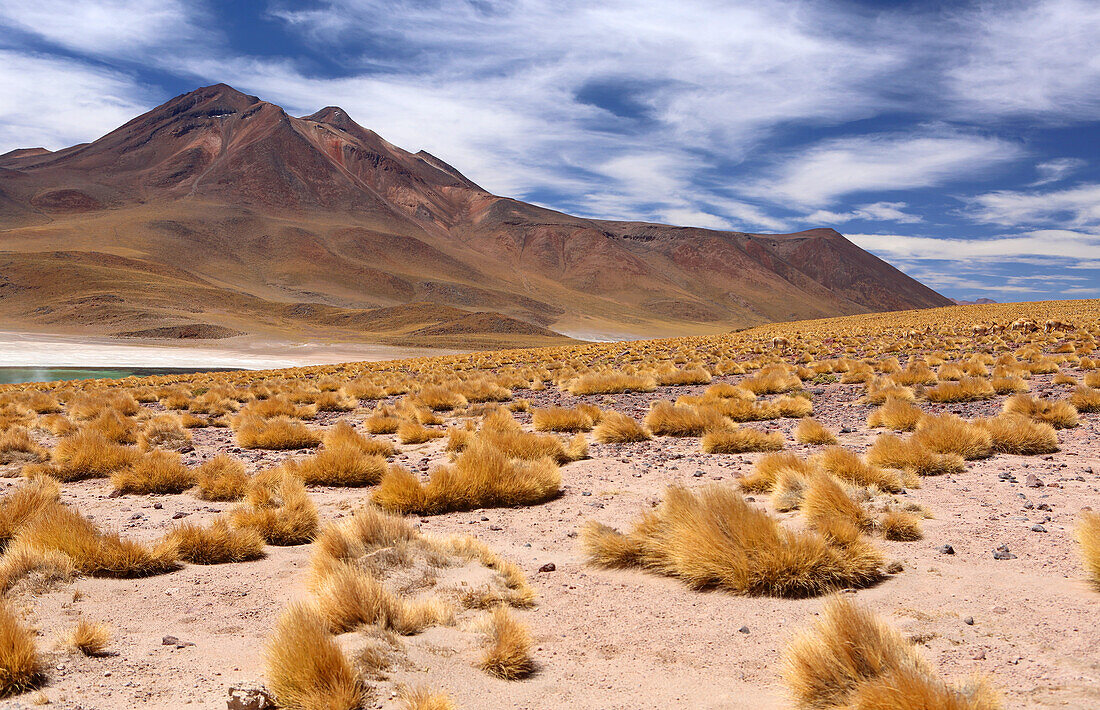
(219, 208)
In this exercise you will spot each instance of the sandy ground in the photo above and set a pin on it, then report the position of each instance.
(624, 639)
(24, 349)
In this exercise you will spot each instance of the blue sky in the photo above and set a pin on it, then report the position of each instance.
(960, 141)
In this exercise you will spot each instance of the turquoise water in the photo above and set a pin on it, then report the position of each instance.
(9, 375)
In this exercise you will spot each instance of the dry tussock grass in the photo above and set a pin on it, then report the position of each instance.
(770, 468)
(508, 655)
(410, 432)
(347, 597)
(810, 431)
(611, 383)
(714, 538)
(21, 666)
(739, 440)
(86, 454)
(895, 414)
(166, 432)
(1085, 399)
(1088, 536)
(1017, 434)
(17, 446)
(89, 637)
(222, 478)
(1060, 415)
(773, 379)
(276, 433)
(900, 526)
(667, 419)
(424, 698)
(851, 659)
(618, 428)
(482, 476)
(305, 667)
(673, 377)
(830, 510)
(911, 455)
(848, 466)
(967, 389)
(948, 434)
(562, 419)
(155, 472)
(216, 544)
(343, 461)
(278, 508)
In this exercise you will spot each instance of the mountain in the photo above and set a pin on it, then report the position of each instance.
(219, 213)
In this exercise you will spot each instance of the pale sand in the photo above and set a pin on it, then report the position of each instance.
(23, 349)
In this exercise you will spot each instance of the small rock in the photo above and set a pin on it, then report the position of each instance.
(548, 567)
(846, 430)
(586, 493)
(169, 641)
(495, 527)
(1043, 506)
(158, 506)
(699, 474)
(1002, 553)
(1033, 481)
(180, 514)
(484, 519)
(1038, 528)
(249, 699)
(979, 655)
(743, 630)
(945, 550)
(969, 621)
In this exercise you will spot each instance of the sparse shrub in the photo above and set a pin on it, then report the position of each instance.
(410, 432)
(832, 511)
(339, 465)
(86, 454)
(216, 544)
(674, 377)
(155, 472)
(166, 432)
(967, 389)
(441, 399)
(713, 538)
(17, 446)
(793, 407)
(810, 431)
(306, 669)
(851, 659)
(773, 379)
(1084, 399)
(508, 655)
(618, 428)
(768, 469)
(222, 478)
(1008, 385)
(666, 419)
(848, 466)
(347, 597)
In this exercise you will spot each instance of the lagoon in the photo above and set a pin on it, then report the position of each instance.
(10, 375)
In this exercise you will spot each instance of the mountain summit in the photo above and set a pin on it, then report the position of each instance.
(218, 208)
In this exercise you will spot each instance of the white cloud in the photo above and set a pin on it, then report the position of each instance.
(1076, 207)
(1035, 58)
(1057, 169)
(110, 27)
(54, 103)
(876, 212)
(1047, 244)
(876, 162)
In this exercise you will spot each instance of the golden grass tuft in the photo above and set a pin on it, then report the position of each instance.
(508, 655)
(276, 433)
(895, 414)
(851, 659)
(810, 431)
(611, 383)
(166, 432)
(768, 469)
(278, 508)
(26, 502)
(773, 379)
(848, 466)
(739, 441)
(948, 434)
(86, 454)
(1088, 536)
(89, 637)
(1017, 434)
(17, 446)
(1086, 399)
(482, 477)
(347, 597)
(1060, 415)
(410, 432)
(673, 377)
(305, 668)
(900, 526)
(423, 698)
(21, 667)
(911, 455)
(618, 428)
(216, 544)
(339, 465)
(343, 434)
(667, 419)
(222, 478)
(967, 389)
(833, 512)
(155, 472)
(561, 419)
(714, 538)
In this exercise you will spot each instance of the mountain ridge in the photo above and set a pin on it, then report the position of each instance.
(317, 209)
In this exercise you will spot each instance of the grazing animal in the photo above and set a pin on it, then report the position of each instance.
(778, 342)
